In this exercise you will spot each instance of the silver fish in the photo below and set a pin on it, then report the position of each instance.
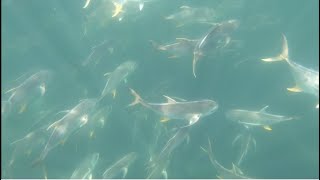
(98, 51)
(191, 111)
(256, 118)
(160, 162)
(29, 146)
(247, 141)
(224, 173)
(28, 90)
(85, 168)
(180, 48)
(188, 15)
(218, 37)
(307, 80)
(61, 129)
(117, 76)
(121, 166)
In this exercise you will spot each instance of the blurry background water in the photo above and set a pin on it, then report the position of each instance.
(58, 35)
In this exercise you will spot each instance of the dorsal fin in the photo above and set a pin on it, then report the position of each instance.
(263, 110)
(107, 74)
(184, 7)
(170, 100)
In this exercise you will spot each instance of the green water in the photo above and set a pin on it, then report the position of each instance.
(59, 35)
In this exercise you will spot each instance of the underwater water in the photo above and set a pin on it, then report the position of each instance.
(71, 70)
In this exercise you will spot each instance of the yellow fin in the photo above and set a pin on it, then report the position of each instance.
(117, 9)
(114, 93)
(294, 89)
(91, 135)
(268, 128)
(22, 108)
(165, 119)
(62, 142)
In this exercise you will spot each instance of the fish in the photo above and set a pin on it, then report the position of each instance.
(157, 166)
(306, 80)
(247, 141)
(27, 92)
(158, 169)
(218, 37)
(259, 118)
(61, 129)
(98, 51)
(188, 15)
(121, 166)
(28, 146)
(191, 111)
(180, 48)
(224, 173)
(85, 168)
(117, 76)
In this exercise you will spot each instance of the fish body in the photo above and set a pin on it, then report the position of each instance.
(117, 76)
(180, 48)
(247, 142)
(186, 110)
(98, 51)
(218, 37)
(306, 80)
(121, 166)
(224, 173)
(188, 15)
(256, 118)
(28, 90)
(85, 168)
(61, 129)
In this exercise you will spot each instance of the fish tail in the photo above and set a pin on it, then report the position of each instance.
(284, 55)
(137, 98)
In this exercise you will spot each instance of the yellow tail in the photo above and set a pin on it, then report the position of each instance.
(284, 53)
(137, 98)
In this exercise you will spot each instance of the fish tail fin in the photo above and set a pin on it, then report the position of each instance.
(137, 98)
(284, 55)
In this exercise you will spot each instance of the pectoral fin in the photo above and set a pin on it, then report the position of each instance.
(42, 89)
(86, 4)
(114, 93)
(164, 174)
(169, 99)
(165, 119)
(194, 119)
(141, 5)
(124, 172)
(268, 128)
(23, 108)
(294, 89)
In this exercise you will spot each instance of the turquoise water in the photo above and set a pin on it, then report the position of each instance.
(59, 36)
